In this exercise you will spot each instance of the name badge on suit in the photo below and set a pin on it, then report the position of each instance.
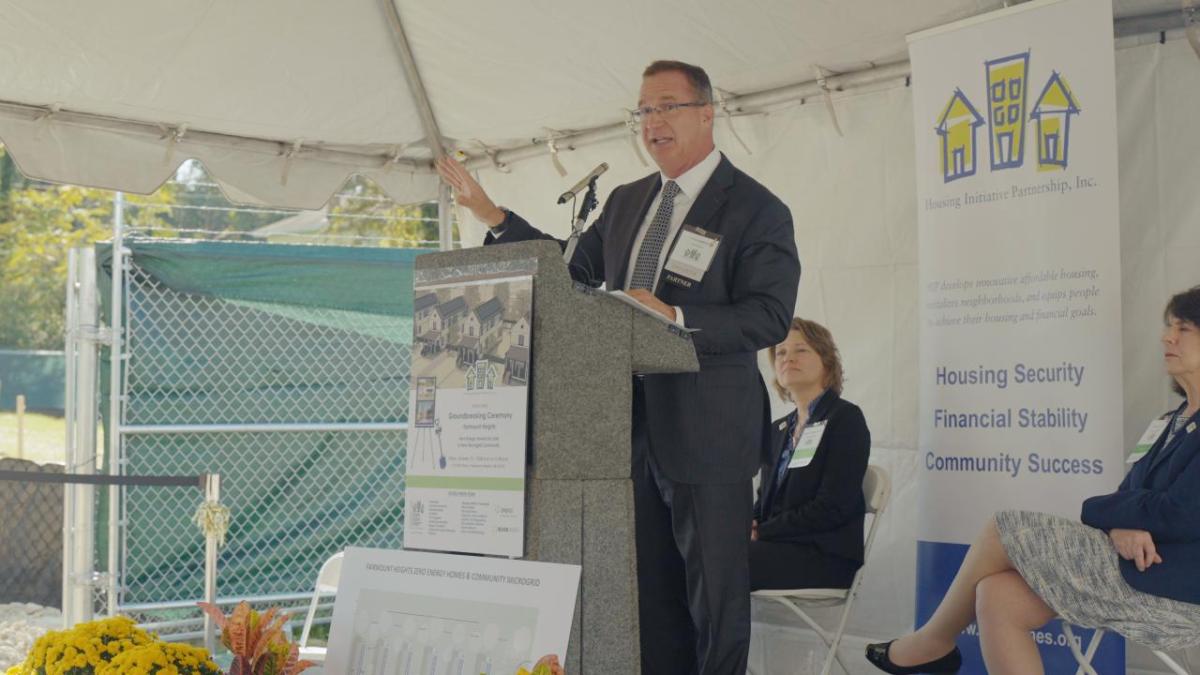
(691, 256)
(1148, 439)
(806, 447)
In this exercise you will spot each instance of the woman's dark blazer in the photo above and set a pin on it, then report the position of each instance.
(822, 503)
(1160, 494)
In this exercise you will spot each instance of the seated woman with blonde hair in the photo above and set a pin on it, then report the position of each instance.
(808, 527)
(1130, 566)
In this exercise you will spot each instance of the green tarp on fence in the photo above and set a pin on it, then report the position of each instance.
(229, 333)
(354, 279)
(39, 375)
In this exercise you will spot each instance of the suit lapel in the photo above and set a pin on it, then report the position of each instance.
(627, 224)
(779, 438)
(710, 200)
(1171, 449)
(711, 196)
(824, 407)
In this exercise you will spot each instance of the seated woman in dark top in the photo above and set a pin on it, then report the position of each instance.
(808, 527)
(1130, 566)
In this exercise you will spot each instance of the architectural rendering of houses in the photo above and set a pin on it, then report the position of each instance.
(443, 326)
(423, 310)
(480, 331)
(516, 359)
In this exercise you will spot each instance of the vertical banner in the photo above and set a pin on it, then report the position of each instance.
(468, 411)
(1020, 290)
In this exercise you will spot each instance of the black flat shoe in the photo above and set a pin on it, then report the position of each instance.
(949, 664)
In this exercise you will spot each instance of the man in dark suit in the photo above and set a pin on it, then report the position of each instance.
(696, 436)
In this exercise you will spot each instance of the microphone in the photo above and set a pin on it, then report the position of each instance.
(583, 183)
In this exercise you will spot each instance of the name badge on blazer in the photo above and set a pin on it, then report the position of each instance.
(1147, 440)
(691, 256)
(806, 447)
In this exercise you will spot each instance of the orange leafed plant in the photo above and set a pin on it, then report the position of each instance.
(257, 641)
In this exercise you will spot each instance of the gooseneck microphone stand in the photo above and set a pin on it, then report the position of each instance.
(585, 209)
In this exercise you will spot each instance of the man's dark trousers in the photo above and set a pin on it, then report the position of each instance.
(695, 618)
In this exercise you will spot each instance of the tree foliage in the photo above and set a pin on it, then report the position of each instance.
(41, 222)
(362, 209)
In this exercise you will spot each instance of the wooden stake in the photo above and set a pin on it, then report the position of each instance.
(20, 426)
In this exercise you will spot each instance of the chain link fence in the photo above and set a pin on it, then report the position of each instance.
(195, 359)
(31, 540)
(298, 408)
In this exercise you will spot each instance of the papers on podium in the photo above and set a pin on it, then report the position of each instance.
(629, 300)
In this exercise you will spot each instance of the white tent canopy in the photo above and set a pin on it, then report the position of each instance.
(283, 100)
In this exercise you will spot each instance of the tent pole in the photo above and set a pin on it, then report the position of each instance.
(1122, 27)
(415, 86)
(445, 210)
(349, 156)
(795, 92)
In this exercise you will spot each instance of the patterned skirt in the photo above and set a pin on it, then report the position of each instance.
(1082, 581)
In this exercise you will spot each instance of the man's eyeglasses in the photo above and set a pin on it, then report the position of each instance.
(666, 110)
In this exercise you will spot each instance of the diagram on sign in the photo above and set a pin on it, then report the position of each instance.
(427, 434)
(405, 634)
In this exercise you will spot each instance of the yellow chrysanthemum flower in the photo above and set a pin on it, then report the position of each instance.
(161, 658)
(80, 650)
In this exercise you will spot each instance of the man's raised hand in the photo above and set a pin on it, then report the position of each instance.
(468, 192)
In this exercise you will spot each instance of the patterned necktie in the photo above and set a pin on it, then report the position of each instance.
(646, 267)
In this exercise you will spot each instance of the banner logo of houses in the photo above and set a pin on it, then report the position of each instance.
(1007, 80)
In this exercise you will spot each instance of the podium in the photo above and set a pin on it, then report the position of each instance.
(586, 348)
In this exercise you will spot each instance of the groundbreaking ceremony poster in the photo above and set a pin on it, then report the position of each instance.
(409, 613)
(1020, 296)
(468, 404)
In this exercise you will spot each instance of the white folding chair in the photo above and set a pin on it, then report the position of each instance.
(877, 490)
(327, 584)
(1084, 657)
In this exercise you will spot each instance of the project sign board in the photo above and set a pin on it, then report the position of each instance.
(414, 613)
(468, 414)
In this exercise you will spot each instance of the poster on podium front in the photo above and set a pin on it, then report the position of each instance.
(468, 414)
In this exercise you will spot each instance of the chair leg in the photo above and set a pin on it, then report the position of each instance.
(308, 618)
(1083, 659)
(831, 644)
(1093, 645)
(816, 627)
(837, 637)
(750, 669)
(831, 656)
(1171, 663)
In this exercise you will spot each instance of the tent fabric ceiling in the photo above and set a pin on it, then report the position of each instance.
(283, 100)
